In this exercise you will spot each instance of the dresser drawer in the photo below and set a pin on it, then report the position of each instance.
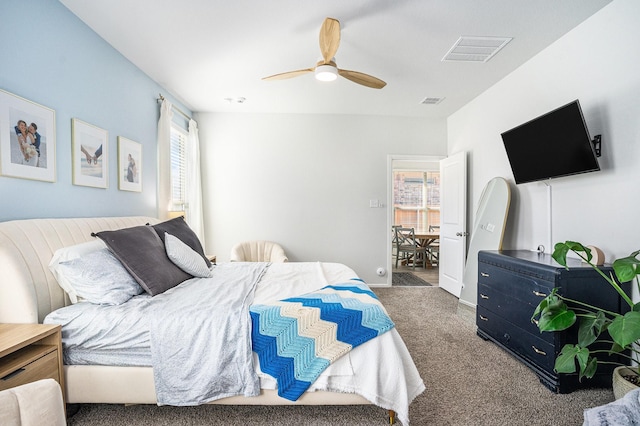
(530, 346)
(518, 312)
(528, 289)
(44, 367)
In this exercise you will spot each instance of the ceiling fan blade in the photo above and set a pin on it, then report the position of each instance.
(329, 38)
(362, 78)
(289, 74)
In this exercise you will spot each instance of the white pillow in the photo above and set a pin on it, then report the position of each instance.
(100, 278)
(185, 258)
(69, 253)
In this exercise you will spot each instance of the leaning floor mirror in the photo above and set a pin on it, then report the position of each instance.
(487, 234)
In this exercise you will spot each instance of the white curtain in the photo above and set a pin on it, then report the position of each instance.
(194, 216)
(164, 159)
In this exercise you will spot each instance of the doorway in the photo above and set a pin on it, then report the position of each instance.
(413, 202)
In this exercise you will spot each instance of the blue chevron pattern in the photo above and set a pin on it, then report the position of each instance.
(297, 338)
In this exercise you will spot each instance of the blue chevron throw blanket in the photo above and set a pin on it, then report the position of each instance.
(297, 338)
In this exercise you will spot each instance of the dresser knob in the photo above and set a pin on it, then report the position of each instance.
(507, 337)
(484, 274)
(483, 296)
(483, 318)
(537, 293)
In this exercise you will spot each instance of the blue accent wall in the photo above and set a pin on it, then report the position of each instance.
(49, 56)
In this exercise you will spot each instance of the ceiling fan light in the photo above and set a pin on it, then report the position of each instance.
(326, 73)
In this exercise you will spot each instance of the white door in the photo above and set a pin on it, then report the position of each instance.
(453, 222)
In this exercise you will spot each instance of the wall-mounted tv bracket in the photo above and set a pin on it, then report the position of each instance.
(597, 145)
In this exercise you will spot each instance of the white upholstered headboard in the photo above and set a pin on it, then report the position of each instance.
(28, 290)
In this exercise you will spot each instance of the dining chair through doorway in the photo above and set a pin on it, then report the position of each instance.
(433, 249)
(394, 239)
(408, 248)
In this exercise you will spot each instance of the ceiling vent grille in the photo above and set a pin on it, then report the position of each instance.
(431, 101)
(475, 49)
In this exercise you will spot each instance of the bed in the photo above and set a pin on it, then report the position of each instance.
(378, 371)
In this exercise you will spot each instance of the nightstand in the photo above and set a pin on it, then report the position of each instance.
(30, 352)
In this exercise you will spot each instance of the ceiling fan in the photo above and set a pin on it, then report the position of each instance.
(326, 69)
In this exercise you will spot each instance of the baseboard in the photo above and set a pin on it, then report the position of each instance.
(467, 304)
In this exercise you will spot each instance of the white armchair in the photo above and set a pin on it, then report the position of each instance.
(33, 404)
(258, 251)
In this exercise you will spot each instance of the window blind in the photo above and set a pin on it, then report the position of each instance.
(178, 167)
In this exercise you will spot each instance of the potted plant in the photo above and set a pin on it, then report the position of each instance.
(622, 331)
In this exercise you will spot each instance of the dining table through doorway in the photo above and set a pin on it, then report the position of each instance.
(429, 240)
(426, 238)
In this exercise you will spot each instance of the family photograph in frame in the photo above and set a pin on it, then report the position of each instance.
(27, 139)
(90, 148)
(129, 165)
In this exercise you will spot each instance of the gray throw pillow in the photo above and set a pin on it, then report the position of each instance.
(142, 252)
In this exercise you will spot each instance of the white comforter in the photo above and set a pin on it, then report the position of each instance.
(200, 335)
(380, 370)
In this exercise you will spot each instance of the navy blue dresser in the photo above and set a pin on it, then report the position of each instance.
(511, 283)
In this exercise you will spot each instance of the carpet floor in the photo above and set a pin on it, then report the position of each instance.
(407, 279)
(469, 382)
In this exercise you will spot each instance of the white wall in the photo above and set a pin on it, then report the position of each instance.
(598, 63)
(305, 181)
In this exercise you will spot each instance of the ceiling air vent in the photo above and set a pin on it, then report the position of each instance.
(431, 101)
(475, 49)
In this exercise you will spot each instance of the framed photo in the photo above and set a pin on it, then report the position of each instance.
(129, 165)
(27, 139)
(90, 148)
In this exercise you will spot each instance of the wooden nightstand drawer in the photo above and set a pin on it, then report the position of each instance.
(28, 365)
(30, 352)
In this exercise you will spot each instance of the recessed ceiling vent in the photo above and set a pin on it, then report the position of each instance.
(475, 49)
(431, 101)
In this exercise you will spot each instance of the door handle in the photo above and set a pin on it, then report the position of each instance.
(462, 234)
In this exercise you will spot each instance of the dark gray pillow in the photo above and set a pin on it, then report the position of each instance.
(179, 228)
(142, 253)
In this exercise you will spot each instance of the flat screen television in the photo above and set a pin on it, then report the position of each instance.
(552, 145)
